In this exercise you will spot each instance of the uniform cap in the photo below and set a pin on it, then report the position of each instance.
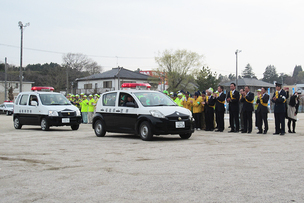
(81, 93)
(85, 96)
(90, 95)
(180, 94)
(77, 95)
(259, 90)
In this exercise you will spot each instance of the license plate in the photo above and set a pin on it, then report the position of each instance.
(65, 120)
(180, 124)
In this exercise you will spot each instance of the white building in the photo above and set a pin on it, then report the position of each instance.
(109, 80)
(26, 86)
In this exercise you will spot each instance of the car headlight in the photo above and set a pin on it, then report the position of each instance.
(53, 113)
(78, 112)
(157, 114)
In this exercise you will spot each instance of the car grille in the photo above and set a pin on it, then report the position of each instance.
(68, 114)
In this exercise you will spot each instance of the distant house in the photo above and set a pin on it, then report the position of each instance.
(12, 81)
(109, 80)
(254, 84)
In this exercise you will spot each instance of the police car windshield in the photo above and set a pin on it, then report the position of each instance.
(54, 99)
(9, 105)
(154, 99)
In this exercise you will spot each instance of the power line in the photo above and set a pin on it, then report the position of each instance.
(56, 52)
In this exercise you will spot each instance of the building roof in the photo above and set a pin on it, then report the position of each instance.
(114, 73)
(252, 82)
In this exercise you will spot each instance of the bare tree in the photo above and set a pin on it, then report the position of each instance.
(81, 62)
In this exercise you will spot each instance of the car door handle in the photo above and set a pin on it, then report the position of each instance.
(101, 109)
(117, 110)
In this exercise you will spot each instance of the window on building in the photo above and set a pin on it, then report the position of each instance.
(88, 86)
(96, 85)
(17, 84)
(107, 84)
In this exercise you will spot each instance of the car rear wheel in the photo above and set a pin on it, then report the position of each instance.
(44, 124)
(185, 135)
(75, 127)
(145, 131)
(99, 128)
(17, 123)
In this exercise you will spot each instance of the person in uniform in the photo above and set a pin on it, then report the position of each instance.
(247, 100)
(197, 110)
(209, 104)
(241, 111)
(186, 101)
(91, 108)
(292, 111)
(179, 99)
(84, 109)
(203, 121)
(220, 109)
(233, 98)
(279, 99)
(262, 111)
(255, 105)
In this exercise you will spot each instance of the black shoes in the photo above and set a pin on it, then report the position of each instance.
(282, 133)
(260, 132)
(265, 132)
(276, 133)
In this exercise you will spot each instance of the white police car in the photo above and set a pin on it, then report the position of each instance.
(45, 109)
(141, 112)
(7, 108)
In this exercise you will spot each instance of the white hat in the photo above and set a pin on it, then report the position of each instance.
(210, 90)
(180, 94)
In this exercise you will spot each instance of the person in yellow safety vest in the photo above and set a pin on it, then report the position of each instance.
(255, 105)
(186, 102)
(179, 99)
(77, 101)
(203, 120)
(91, 108)
(165, 92)
(197, 110)
(84, 109)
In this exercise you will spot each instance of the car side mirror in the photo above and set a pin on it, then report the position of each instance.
(34, 103)
(130, 104)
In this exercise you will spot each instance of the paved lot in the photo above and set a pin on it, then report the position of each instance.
(76, 166)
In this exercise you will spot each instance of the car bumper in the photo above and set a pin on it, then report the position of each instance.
(165, 126)
(59, 121)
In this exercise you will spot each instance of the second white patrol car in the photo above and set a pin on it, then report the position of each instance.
(142, 112)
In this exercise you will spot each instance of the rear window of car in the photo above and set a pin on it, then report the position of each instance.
(109, 99)
(24, 99)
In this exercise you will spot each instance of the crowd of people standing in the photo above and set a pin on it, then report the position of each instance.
(86, 105)
(208, 108)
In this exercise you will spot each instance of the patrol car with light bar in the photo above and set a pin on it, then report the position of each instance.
(142, 112)
(46, 108)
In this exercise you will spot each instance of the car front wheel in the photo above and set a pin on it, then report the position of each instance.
(17, 123)
(99, 128)
(44, 124)
(185, 135)
(145, 131)
(75, 127)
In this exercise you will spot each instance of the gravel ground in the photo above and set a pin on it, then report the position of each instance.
(62, 165)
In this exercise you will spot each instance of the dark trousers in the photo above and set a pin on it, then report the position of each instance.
(262, 117)
(209, 118)
(279, 122)
(293, 125)
(256, 118)
(197, 118)
(220, 120)
(234, 120)
(247, 119)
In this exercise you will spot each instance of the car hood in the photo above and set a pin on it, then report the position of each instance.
(169, 110)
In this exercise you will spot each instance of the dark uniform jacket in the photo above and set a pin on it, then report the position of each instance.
(247, 102)
(262, 108)
(234, 103)
(211, 103)
(218, 105)
(279, 103)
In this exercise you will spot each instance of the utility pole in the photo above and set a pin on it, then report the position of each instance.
(21, 26)
(5, 78)
(236, 72)
(67, 78)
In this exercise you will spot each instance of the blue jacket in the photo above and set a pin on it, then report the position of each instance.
(279, 105)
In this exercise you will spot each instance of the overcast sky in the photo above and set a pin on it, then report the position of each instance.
(131, 33)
